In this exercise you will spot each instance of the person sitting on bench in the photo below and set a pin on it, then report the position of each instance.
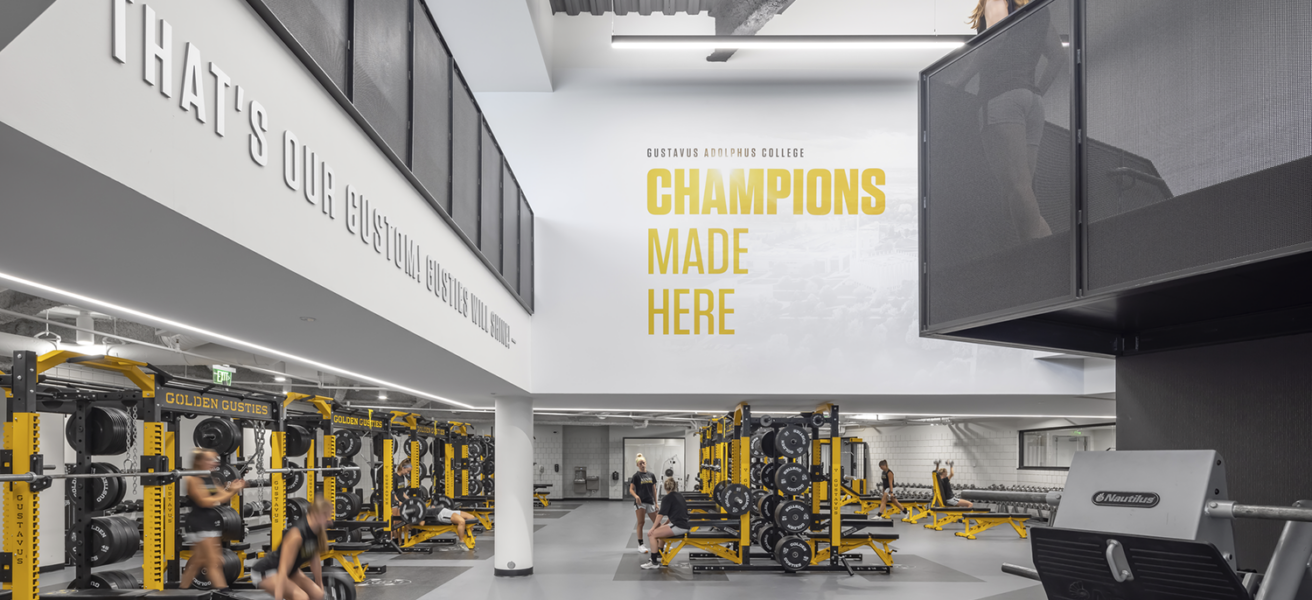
(300, 545)
(674, 509)
(886, 481)
(447, 516)
(945, 488)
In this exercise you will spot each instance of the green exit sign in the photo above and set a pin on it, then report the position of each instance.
(223, 374)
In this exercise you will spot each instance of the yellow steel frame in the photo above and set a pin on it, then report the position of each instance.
(22, 508)
(716, 546)
(542, 497)
(349, 559)
(311, 477)
(879, 545)
(912, 507)
(277, 451)
(976, 525)
(388, 484)
(422, 533)
(153, 526)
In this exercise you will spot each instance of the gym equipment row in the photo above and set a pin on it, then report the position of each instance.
(784, 513)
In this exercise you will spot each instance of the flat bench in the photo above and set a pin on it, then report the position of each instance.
(540, 494)
(980, 522)
(347, 554)
(946, 515)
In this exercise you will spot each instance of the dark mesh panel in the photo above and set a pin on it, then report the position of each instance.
(998, 231)
(321, 28)
(432, 111)
(465, 130)
(381, 80)
(525, 252)
(1200, 135)
(490, 217)
(510, 230)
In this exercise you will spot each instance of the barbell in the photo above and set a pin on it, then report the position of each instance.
(32, 477)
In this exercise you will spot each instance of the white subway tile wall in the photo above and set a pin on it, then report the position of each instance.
(548, 448)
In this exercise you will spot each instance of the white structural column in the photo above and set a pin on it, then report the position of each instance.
(514, 489)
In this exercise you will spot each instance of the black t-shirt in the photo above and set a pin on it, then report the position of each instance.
(309, 546)
(676, 508)
(885, 477)
(945, 488)
(645, 485)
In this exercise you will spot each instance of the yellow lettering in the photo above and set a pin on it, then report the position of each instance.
(869, 179)
(846, 191)
(737, 251)
(678, 311)
(697, 312)
(657, 203)
(799, 199)
(724, 311)
(688, 259)
(652, 311)
(714, 194)
(748, 196)
(654, 255)
(685, 191)
(819, 202)
(710, 250)
(780, 181)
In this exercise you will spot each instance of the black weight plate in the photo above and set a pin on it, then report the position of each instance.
(767, 475)
(423, 494)
(489, 466)
(102, 543)
(790, 441)
(737, 499)
(756, 444)
(489, 487)
(338, 584)
(250, 509)
(348, 443)
(107, 431)
(791, 479)
(231, 570)
(792, 517)
(767, 444)
(348, 479)
(755, 474)
(423, 445)
(412, 511)
(219, 434)
(475, 467)
(793, 554)
(232, 527)
(106, 492)
(227, 473)
(293, 480)
(476, 449)
(475, 487)
(816, 420)
(768, 537)
(766, 506)
(756, 530)
(297, 508)
(756, 500)
(440, 501)
(378, 445)
(297, 440)
(766, 420)
(347, 505)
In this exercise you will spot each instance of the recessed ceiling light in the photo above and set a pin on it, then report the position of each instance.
(307, 319)
(382, 395)
(279, 379)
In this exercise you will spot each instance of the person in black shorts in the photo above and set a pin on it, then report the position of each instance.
(886, 494)
(642, 486)
(204, 524)
(674, 509)
(945, 488)
(301, 544)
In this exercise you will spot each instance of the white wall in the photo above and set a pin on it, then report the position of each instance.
(547, 455)
(986, 452)
(587, 447)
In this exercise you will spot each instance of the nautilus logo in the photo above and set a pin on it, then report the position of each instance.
(1127, 499)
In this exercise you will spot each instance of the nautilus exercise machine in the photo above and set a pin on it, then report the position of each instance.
(1156, 525)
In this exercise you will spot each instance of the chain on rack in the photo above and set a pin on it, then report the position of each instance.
(130, 464)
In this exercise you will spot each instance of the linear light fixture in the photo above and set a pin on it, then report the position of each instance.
(884, 416)
(116, 309)
(788, 42)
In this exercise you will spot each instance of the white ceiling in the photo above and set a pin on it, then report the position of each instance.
(492, 42)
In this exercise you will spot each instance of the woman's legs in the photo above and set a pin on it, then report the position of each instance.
(205, 554)
(194, 564)
(641, 513)
(458, 519)
(1009, 155)
(657, 536)
(289, 591)
(306, 587)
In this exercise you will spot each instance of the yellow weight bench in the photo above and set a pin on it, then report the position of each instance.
(980, 522)
(947, 515)
(418, 534)
(540, 492)
(710, 541)
(912, 506)
(877, 542)
(347, 554)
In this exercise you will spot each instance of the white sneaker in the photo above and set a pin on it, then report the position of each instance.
(651, 565)
(642, 549)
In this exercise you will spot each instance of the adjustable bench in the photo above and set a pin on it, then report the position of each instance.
(710, 541)
(981, 522)
(347, 554)
(540, 494)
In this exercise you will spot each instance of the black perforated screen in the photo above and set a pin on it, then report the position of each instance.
(1199, 119)
(321, 28)
(999, 199)
(490, 217)
(525, 251)
(431, 162)
(381, 79)
(466, 127)
(510, 230)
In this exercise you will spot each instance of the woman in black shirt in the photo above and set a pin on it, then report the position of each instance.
(675, 509)
(887, 483)
(204, 524)
(945, 488)
(643, 489)
(301, 544)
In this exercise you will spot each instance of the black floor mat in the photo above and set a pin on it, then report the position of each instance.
(405, 583)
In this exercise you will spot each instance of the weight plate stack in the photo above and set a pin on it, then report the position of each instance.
(475, 467)
(717, 490)
(791, 479)
(106, 492)
(489, 487)
(348, 443)
(297, 508)
(756, 500)
(442, 502)
(793, 554)
(790, 441)
(475, 487)
(756, 444)
(232, 527)
(755, 472)
(412, 511)
(476, 449)
(107, 431)
(768, 537)
(767, 444)
(737, 499)
(792, 517)
(424, 495)
(489, 466)
(114, 580)
(231, 571)
(297, 439)
(293, 480)
(250, 509)
(113, 539)
(220, 434)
